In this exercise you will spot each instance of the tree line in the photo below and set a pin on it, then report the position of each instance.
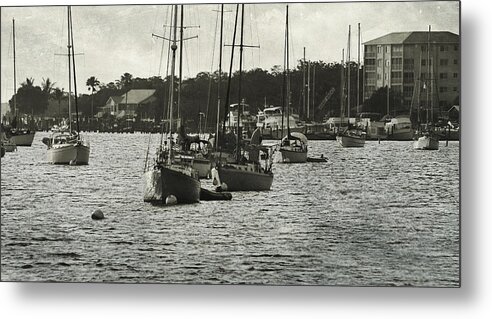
(199, 94)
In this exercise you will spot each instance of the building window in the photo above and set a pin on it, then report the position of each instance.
(370, 61)
(397, 62)
(396, 48)
(379, 49)
(443, 75)
(379, 76)
(407, 91)
(422, 76)
(443, 89)
(408, 76)
(387, 48)
(423, 48)
(443, 62)
(456, 47)
(395, 75)
(380, 63)
(455, 61)
(423, 62)
(408, 63)
(455, 89)
(455, 75)
(386, 76)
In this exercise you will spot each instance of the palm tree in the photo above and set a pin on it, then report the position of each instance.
(124, 82)
(58, 95)
(92, 83)
(47, 85)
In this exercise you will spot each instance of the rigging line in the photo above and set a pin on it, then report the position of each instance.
(257, 34)
(73, 65)
(162, 47)
(211, 70)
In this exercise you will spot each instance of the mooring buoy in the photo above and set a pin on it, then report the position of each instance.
(171, 200)
(97, 214)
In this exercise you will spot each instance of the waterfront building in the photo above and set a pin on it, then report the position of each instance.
(128, 104)
(399, 60)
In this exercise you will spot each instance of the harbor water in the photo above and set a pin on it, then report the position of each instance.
(382, 215)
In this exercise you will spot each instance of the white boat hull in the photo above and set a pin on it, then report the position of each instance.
(351, 141)
(426, 143)
(244, 178)
(73, 154)
(292, 156)
(22, 139)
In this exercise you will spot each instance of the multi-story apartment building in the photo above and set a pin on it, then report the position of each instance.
(400, 60)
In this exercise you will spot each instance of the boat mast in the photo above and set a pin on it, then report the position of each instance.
(220, 75)
(171, 94)
(239, 110)
(428, 76)
(342, 87)
(69, 72)
(304, 83)
(284, 77)
(348, 77)
(74, 76)
(288, 72)
(15, 74)
(358, 66)
(180, 67)
(226, 104)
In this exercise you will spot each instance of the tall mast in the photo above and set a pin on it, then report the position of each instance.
(15, 74)
(348, 76)
(171, 94)
(288, 72)
(180, 65)
(220, 75)
(74, 75)
(304, 83)
(342, 87)
(428, 77)
(308, 87)
(69, 72)
(314, 86)
(284, 75)
(239, 110)
(358, 66)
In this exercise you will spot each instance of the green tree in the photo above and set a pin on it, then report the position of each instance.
(31, 99)
(92, 83)
(58, 95)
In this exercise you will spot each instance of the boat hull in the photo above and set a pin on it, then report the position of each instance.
(239, 178)
(73, 154)
(23, 139)
(351, 141)
(164, 181)
(201, 165)
(292, 156)
(426, 143)
(9, 147)
(403, 135)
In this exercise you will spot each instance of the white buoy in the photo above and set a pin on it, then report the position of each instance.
(223, 187)
(97, 214)
(171, 200)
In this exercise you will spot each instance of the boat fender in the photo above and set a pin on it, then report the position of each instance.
(215, 176)
(223, 186)
(97, 215)
(171, 200)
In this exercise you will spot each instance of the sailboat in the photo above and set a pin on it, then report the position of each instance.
(17, 135)
(293, 147)
(167, 181)
(245, 173)
(65, 145)
(351, 136)
(426, 137)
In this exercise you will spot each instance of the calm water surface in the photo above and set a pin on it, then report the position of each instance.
(382, 215)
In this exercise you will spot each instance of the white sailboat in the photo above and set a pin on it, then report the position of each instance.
(294, 146)
(167, 180)
(426, 137)
(351, 136)
(65, 145)
(246, 173)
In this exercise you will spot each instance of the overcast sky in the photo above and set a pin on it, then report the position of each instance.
(118, 39)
